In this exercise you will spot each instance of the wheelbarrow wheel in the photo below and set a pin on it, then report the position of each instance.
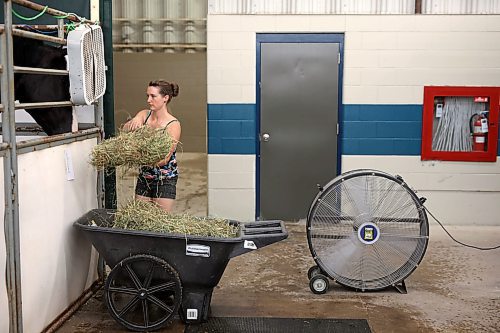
(143, 293)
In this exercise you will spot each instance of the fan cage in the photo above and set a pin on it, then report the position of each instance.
(99, 65)
(374, 198)
(86, 64)
(88, 71)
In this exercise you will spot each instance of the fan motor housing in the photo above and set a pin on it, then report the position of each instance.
(368, 233)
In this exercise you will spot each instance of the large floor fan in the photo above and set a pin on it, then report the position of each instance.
(366, 230)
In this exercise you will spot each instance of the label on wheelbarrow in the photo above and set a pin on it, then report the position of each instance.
(192, 314)
(198, 250)
(249, 245)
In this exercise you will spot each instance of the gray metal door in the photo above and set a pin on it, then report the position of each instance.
(298, 125)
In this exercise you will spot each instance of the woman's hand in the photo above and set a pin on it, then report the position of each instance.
(132, 124)
(163, 162)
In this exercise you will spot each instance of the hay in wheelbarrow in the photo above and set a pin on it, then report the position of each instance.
(147, 216)
(144, 146)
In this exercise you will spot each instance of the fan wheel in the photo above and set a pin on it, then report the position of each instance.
(319, 284)
(143, 293)
(367, 230)
(313, 271)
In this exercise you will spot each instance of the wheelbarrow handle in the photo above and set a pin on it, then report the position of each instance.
(255, 235)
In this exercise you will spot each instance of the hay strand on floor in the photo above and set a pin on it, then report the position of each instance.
(144, 146)
(147, 216)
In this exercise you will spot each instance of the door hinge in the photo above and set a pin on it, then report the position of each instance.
(338, 58)
(337, 129)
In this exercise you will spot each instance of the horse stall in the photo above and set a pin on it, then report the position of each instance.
(48, 183)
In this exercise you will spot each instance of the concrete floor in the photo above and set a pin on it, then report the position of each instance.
(455, 289)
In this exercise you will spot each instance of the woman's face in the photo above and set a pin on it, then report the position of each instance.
(156, 100)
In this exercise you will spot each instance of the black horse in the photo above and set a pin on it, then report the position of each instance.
(31, 88)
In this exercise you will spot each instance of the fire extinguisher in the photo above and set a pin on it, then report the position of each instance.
(479, 131)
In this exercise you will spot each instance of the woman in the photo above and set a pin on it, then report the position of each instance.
(158, 183)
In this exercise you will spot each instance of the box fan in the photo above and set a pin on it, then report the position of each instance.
(86, 64)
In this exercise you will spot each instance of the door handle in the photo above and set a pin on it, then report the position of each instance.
(265, 137)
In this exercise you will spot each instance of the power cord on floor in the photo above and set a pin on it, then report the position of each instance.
(459, 242)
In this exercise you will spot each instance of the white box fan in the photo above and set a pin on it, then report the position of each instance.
(86, 66)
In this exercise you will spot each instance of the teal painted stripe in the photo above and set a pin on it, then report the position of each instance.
(383, 129)
(366, 129)
(231, 129)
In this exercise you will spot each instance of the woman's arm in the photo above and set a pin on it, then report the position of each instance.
(136, 122)
(174, 130)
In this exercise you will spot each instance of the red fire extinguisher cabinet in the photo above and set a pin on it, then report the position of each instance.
(432, 97)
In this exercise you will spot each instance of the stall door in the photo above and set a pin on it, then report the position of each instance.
(298, 125)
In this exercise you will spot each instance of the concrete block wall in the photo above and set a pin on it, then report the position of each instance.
(388, 59)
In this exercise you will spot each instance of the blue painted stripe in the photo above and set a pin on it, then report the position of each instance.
(365, 129)
(383, 129)
(382, 112)
(232, 129)
(231, 112)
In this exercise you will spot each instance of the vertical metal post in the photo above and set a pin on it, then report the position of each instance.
(11, 217)
(60, 28)
(99, 121)
(106, 16)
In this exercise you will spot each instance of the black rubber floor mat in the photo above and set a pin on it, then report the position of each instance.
(279, 325)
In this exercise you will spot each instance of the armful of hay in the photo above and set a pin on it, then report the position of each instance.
(144, 146)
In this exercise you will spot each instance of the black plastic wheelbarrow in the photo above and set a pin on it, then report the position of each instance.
(156, 275)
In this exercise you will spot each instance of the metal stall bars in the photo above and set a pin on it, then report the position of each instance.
(9, 149)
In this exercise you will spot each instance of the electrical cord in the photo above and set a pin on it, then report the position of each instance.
(457, 241)
(40, 31)
(30, 18)
(81, 19)
(70, 26)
